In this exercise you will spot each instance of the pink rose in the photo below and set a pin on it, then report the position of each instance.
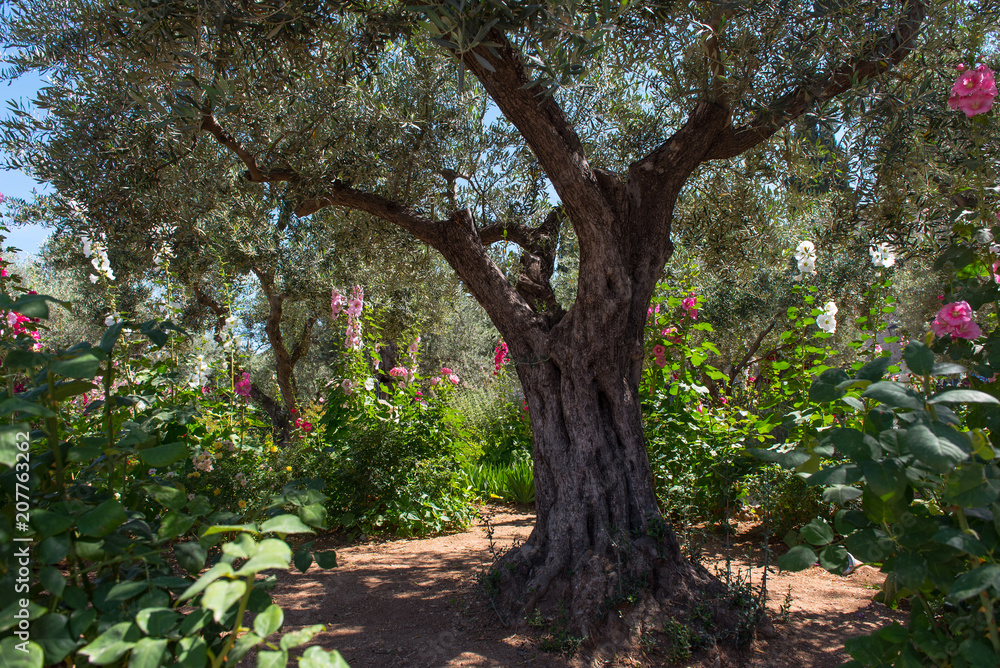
(453, 379)
(445, 371)
(435, 380)
(397, 372)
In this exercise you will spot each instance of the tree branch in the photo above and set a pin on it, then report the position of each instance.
(544, 127)
(754, 347)
(253, 173)
(338, 194)
(301, 348)
(887, 52)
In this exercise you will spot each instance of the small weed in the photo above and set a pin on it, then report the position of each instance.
(558, 638)
(786, 607)
(680, 637)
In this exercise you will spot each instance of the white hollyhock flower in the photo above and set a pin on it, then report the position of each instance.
(807, 265)
(882, 255)
(805, 249)
(826, 322)
(830, 308)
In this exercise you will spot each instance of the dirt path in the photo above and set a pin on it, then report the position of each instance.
(413, 603)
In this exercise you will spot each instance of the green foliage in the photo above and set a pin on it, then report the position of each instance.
(121, 556)
(929, 490)
(390, 464)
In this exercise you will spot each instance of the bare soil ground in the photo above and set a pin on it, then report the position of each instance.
(415, 603)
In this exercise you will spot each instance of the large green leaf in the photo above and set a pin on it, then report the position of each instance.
(10, 436)
(978, 579)
(938, 453)
(163, 455)
(217, 571)
(869, 545)
(16, 404)
(192, 652)
(317, 657)
(284, 524)
(269, 621)
(919, 358)
(960, 540)
(910, 568)
(841, 494)
(268, 659)
(170, 497)
(221, 595)
(102, 520)
(147, 653)
(300, 637)
(112, 644)
(817, 532)
(963, 397)
(52, 633)
(874, 370)
(13, 657)
(157, 621)
(191, 556)
(854, 444)
(84, 365)
(895, 395)
(834, 558)
(798, 558)
(969, 487)
(271, 553)
(842, 474)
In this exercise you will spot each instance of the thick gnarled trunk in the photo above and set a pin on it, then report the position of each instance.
(599, 538)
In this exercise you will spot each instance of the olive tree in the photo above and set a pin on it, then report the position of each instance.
(524, 120)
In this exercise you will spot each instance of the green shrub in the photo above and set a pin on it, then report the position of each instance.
(106, 564)
(930, 492)
(392, 466)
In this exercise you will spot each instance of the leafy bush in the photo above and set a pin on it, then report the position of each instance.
(120, 557)
(391, 465)
(929, 492)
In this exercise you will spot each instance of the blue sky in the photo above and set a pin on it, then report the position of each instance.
(15, 183)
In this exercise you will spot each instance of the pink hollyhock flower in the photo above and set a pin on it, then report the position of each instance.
(453, 379)
(499, 357)
(659, 350)
(337, 302)
(347, 386)
(354, 307)
(306, 427)
(955, 313)
(690, 306)
(967, 330)
(397, 372)
(243, 385)
(660, 362)
(955, 319)
(723, 400)
(973, 91)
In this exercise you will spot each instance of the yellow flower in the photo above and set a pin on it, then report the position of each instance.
(288, 468)
(217, 491)
(274, 448)
(242, 504)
